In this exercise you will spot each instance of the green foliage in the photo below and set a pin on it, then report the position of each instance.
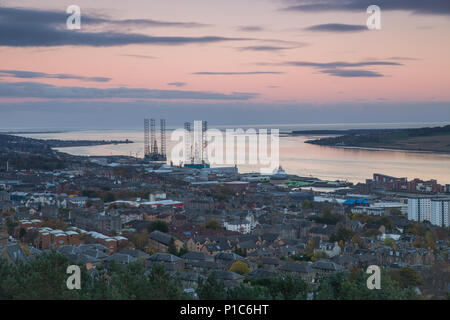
(221, 194)
(382, 137)
(318, 255)
(241, 252)
(21, 161)
(10, 226)
(286, 288)
(306, 204)
(172, 249)
(389, 242)
(341, 287)
(327, 217)
(343, 234)
(159, 225)
(41, 278)
(163, 287)
(378, 221)
(211, 289)
(22, 233)
(396, 212)
(45, 277)
(245, 292)
(358, 241)
(406, 277)
(213, 224)
(277, 288)
(418, 229)
(183, 250)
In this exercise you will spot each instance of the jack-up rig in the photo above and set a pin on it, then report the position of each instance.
(196, 155)
(151, 152)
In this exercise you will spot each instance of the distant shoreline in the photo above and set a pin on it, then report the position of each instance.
(31, 132)
(430, 140)
(388, 149)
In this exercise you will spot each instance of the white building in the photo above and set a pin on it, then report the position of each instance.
(419, 209)
(387, 206)
(240, 224)
(440, 212)
(243, 227)
(381, 208)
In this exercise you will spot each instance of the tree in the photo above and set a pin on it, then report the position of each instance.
(343, 234)
(418, 229)
(396, 212)
(358, 241)
(240, 267)
(406, 277)
(438, 276)
(339, 286)
(44, 277)
(172, 248)
(11, 225)
(241, 252)
(213, 224)
(140, 240)
(159, 225)
(211, 288)
(163, 286)
(430, 240)
(306, 204)
(327, 217)
(30, 236)
(22, 233)
(318, 255)
(389, 242)
(183, 250)
(287, 288)
(246, 292)
(41, 278)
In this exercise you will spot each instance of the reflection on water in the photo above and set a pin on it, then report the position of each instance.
(296, 157)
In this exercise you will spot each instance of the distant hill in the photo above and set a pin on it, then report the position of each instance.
(28, 153)
(436, 139)
(17, 143)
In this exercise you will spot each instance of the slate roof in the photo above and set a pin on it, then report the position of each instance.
(270, 261)
(15, 252)
(296, 267)
(196, 256)
(164, 257)
(262, 273)
(228, 275)
(326, 265)
(203, 264)
(161, 237)
(135, 253)
(229, 256)
(121, 258)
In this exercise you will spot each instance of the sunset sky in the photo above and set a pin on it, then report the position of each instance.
(253, 61)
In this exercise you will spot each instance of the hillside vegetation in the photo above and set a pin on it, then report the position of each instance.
(435, 139)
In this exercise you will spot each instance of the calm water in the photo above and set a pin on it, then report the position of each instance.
(296, 157)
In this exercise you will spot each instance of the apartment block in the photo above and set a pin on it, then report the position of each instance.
(419, 209)
(440, 212)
